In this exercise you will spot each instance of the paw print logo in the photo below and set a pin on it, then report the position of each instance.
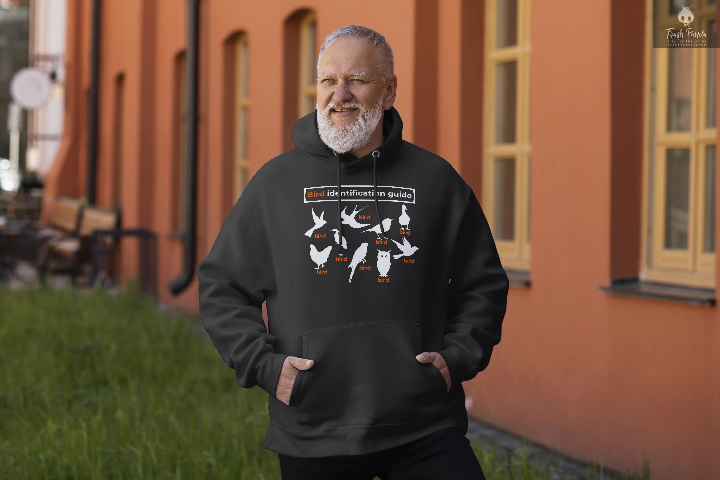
(686, 16)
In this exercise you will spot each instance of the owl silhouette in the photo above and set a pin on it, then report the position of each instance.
(383, 262)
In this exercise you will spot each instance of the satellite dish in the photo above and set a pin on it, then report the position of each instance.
(30, 88)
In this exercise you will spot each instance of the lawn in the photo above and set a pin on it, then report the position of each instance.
(96, 386)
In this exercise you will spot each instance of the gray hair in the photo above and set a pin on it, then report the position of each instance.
(387, 62)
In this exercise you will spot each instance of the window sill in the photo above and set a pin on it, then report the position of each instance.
(634, 287)
(518, 278)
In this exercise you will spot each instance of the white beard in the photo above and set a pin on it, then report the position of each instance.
(354, 135)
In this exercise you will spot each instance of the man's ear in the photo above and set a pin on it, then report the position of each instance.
(390, 92)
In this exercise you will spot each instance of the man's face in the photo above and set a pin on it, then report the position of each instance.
(348, 73)
(350, 94)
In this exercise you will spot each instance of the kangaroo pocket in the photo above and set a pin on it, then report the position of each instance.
(367, 374)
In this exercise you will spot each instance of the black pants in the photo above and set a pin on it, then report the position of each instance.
(442, 455)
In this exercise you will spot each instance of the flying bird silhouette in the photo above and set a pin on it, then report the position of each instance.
(405, 247)
(319, 222)
(319, 257)
(358, 256)
(350, 219)
(385, 224)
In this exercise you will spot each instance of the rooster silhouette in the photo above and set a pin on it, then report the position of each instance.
(319, 222)
(406, 248)
(319, 257)
(358, 256)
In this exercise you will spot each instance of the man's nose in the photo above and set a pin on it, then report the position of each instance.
(342, 92)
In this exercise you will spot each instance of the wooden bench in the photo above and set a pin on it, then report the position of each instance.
(74, 250)
(64, 219)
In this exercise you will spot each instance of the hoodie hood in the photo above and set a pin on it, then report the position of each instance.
(306, 137)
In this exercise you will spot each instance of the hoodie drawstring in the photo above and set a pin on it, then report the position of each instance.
(375, 155)
(340, 237)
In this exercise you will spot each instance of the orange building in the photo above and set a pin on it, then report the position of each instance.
(609, 351)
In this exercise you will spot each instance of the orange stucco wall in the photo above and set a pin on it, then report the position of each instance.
(603, 377)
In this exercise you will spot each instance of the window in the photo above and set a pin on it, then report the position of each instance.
(240, 113)
(179, 137)
(308, 67)
(680, 236)
(506, 166)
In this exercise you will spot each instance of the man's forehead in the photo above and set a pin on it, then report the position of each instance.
(358, 73)
(347, 56)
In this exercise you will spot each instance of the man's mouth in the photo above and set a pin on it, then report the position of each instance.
(341, 109)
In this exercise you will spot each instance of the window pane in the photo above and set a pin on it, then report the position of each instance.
(676, 6)
(507, 14)
(679, 89)
(241, 134)
(529, 116)
(505, 101)
(244, 68)
(310, 103)
(529, 196)
(677, 198)
(504, 199)
(240, 181)
(709, 225)
(311, 71)
(711, 105)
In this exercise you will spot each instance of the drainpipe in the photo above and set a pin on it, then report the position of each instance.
(92, 124)
(191, 130)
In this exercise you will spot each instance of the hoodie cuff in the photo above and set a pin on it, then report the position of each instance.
(267, 369)
(455, 365)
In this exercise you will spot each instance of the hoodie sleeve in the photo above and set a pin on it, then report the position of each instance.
(232, 283)
(477, 297)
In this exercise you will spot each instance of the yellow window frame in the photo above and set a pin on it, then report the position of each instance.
(691, 267)
(515, 254)
(242, 102)
(308, 91)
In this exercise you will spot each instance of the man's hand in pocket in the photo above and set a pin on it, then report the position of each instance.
(289, 371)
(437, 360)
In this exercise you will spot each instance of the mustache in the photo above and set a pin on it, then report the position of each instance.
(331, 105)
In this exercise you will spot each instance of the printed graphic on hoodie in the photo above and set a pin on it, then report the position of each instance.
(321, 255)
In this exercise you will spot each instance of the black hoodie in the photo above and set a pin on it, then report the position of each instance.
(417, 270)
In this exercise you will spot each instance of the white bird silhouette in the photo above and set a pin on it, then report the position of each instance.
(358, 256)
(383, 262)
(319, 257)
(385, 224)
(404, 220)
(350, 219)
(319, 222)
(405, 247)
(337, 239)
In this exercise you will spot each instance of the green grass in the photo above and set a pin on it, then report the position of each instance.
(94, 386)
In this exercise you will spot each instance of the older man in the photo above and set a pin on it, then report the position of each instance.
(376, 316)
